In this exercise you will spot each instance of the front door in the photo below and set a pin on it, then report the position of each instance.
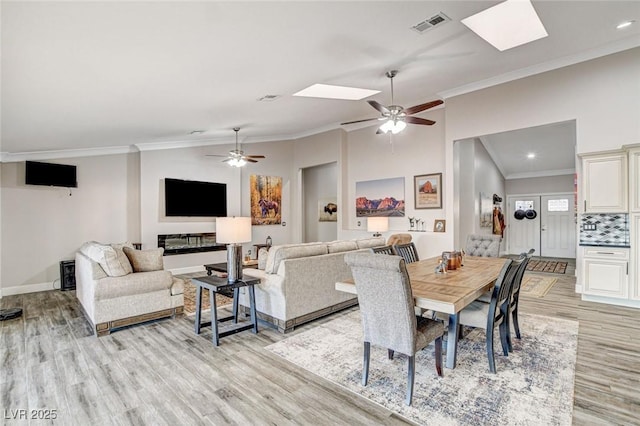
(523, 219)
(557, 226)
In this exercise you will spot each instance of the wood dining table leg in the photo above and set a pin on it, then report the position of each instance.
(452, 341)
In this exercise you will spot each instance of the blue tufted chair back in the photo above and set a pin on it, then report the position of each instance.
(483, 245)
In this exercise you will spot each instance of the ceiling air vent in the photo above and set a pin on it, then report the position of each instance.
(430, 23)
(268, 98)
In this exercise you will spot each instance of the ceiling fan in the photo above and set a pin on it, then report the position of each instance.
(396, 117)
(236, 157)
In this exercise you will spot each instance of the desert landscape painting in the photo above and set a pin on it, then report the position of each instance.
(381, 197)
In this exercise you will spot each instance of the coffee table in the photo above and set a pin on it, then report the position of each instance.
(217, 285)
(222, 267)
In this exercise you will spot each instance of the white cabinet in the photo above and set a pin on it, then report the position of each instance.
(606, 272)
(634, 180)
(634, 264)
(605, 183)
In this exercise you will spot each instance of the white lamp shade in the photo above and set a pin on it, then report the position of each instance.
(377, 224)
(230, 230)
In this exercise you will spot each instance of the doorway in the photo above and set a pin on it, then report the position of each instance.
(544, 222)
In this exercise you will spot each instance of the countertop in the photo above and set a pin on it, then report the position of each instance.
(602, 245)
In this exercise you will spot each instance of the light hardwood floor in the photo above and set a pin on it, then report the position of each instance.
(161, 373)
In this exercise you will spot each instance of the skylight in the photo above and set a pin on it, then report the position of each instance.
(335, 92)
(508, 24)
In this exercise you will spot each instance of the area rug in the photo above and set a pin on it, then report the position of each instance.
(533, 385)
(536, 285)
(554, 267)
(190, 295)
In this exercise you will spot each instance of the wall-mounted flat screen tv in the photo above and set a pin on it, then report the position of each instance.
(194, 198)
(50, 174)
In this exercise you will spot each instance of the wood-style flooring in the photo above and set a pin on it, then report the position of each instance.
(162, 373)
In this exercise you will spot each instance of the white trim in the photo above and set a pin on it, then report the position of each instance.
(543, 173)
(611, 301)
(619, 46)
(9, 157)
(28, 288)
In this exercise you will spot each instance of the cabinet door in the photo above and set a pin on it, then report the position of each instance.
(634, 264)
(605, 183)
(606, 278)
(634, 180)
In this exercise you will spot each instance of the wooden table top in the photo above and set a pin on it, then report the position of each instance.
(450, 292)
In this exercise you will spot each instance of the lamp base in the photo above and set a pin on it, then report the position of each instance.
(377, 234)
(234, 263)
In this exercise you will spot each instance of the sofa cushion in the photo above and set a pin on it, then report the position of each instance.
(263, 254)
(107, 257)
(145, 260)
(291, 251)
(177, 287)
(370, 242)
(340, 246)
(128, 285)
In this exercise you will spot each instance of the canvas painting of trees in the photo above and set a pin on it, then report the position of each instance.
(266, 199)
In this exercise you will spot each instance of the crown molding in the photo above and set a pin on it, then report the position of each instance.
(544, 173)
(619, 46)
(13, 157)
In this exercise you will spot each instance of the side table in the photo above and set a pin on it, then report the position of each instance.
(222, 267)
(217, 285)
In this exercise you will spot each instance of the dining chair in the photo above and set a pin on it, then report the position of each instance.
(483, 245)
(382, 250)
(386, 308)
(407, 251)
(399, 239)
(515, 296)
(489, 315)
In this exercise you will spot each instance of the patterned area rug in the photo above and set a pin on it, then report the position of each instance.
(533, 386)
(190, 295)
(536, 285)
(547, 266)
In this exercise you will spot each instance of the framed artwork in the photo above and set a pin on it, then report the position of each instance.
(266, 199)
(439, 225)
(327, 210)
(486, 211)
(382, 197)
(427, 191)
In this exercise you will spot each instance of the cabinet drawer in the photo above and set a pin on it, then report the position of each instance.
(606, 253)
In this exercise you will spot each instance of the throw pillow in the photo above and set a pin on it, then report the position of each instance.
(122, 258)
(107, 257)
(145, 260)
(263, 253)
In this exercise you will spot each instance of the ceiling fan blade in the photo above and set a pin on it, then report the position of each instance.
(255, 156)
(359, 121)
(418, 120)
(377, 105)
(379, 132)
(227, 160)
(215, 155)
(422, 107)
(250, 160)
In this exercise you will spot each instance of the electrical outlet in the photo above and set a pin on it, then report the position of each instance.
(590, 227)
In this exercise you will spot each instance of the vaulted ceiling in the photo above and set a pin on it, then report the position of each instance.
(82, 75)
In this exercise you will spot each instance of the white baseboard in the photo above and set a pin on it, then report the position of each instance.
(28, 288)
(611, 301)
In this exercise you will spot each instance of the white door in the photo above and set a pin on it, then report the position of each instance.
(523, 233)
(557, 226)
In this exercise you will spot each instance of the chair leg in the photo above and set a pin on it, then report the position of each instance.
(410, 378)
(490, 355)
(516, 326)
(439, 356)
(504, 333)
(390, 353)
(365, 364)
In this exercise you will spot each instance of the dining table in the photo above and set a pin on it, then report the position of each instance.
(448, 292)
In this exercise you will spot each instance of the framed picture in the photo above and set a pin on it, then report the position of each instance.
(427, 191)
(381, 197)
(327, 210)
(439, 225)
(266, 199)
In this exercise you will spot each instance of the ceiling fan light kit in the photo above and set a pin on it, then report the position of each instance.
(236, 157)
(395, 116)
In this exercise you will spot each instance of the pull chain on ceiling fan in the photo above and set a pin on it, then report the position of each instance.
(236, 157)
(396, 117)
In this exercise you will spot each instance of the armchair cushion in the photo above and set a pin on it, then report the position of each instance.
(110, 258)
(145, 260)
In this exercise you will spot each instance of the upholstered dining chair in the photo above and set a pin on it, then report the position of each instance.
(386, 308)
(382, 250)
(515, 296)
(399, 239)
(407, 251)
(489, 315)
(483, 245)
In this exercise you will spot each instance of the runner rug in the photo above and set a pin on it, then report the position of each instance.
(533, 385)
(536, 285)
(547, 266)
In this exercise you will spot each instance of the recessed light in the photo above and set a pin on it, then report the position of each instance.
(508, 24)
(624, 24)
(336, 92)
(531, 155)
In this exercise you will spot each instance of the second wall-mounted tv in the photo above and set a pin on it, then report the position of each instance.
(195, 198)
(50, 174)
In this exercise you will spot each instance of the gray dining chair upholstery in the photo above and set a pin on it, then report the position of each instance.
(386, 308)
(483, 245)
(382, 250)
(407, 251)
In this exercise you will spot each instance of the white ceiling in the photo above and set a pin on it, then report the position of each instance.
(83, 75)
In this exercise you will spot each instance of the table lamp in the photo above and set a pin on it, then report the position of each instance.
(377, 225)
(233, 231)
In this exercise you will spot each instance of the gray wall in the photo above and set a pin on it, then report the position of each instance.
(319, 183)
(540, 185)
